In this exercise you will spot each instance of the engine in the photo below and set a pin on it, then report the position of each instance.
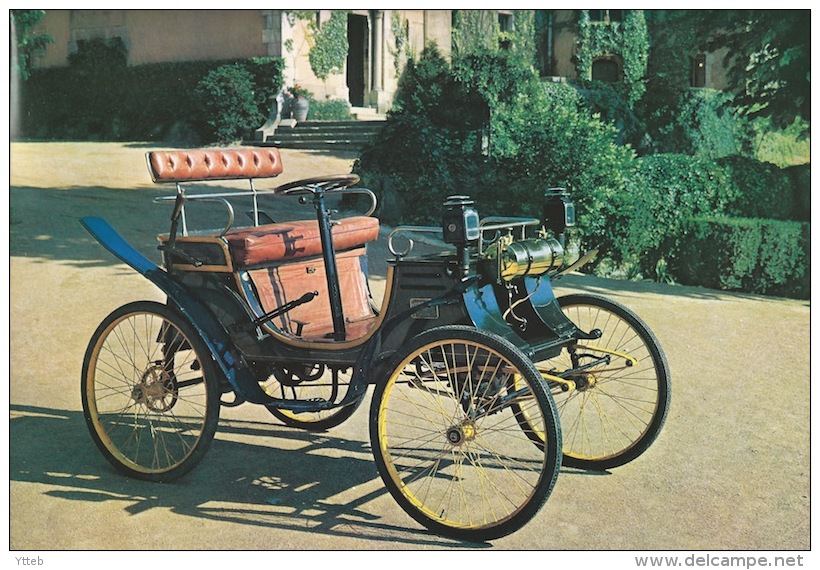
(507, 259)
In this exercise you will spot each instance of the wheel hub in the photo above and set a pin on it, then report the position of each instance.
(584, 382)
(156, 389)
(459, 434)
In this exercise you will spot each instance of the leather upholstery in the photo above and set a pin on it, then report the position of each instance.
(210, 164)
(278, 285)
(288, 241)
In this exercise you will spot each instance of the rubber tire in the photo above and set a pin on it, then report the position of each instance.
(89, 385)
(662, 372)
(552, 455)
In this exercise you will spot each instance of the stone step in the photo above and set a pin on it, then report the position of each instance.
(325, 134)
(367, 126)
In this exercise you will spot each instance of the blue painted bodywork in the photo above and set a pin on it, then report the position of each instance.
(542, 299)
(231, 364)
(485, 312)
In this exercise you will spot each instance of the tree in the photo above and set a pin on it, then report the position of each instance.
(769, 60)
(28, 40)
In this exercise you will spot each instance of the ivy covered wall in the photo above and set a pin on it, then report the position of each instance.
(627, 40)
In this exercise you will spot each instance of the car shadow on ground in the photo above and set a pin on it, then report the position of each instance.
(275, 477)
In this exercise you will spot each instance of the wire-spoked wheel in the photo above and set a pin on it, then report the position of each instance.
(447, 440)
(617, 402)
(150, 392)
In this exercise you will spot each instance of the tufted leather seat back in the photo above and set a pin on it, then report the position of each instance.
(211, 164)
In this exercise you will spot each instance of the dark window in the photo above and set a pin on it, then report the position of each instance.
(606, 16)
(505, 22)
(606, 70)
(506, 25)
(699, 70)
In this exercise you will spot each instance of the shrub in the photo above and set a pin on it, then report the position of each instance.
(691, 121)
(226, 94)
(267, 80)
(661, 193)
(430, 137)
(442, 138)
(330, 110)
(540, 145)
(800, 178)
(611, 102)
(759, 189)
(751, 255)
(143, 102)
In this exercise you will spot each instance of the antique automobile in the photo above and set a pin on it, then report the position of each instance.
(484, 382)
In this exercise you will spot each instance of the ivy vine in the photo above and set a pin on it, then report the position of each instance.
(628, 39)
(327, 41)
(478, 30)
(402, 50)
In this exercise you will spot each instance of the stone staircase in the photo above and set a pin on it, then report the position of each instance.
(323, 135)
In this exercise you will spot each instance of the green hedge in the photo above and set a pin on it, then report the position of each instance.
(800, 177)
(759, 189)
(742, 254)
(662, 192)
(665, 190)
(145, 102)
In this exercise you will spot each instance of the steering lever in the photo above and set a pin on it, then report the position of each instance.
(306, 298)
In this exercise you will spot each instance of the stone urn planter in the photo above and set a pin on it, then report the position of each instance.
(300, 105)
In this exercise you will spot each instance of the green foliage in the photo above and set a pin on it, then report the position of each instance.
(227, 97)
(99, 55)
(649, 228)
(800, 177)
(474, 30)
(540, 144)
(330, 110)
(441, 139)
(758, 189)
(692, 121)
(628, 39)
(495, 76)
(401, 50)
(756, 115)
(478, 31)
(662, 192)
(267, 79)
(610, 102)
(769, 60)
(428, 143)
(144, 103)
(28, 40)
(783, 147)
(752, 255)
(328, 54)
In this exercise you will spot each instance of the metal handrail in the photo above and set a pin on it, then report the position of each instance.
(222, 197)
(496, 223)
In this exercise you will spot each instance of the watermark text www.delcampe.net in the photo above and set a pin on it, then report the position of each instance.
(715, 560)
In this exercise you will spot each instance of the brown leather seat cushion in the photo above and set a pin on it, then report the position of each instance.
(287, 241)
(211, 164)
